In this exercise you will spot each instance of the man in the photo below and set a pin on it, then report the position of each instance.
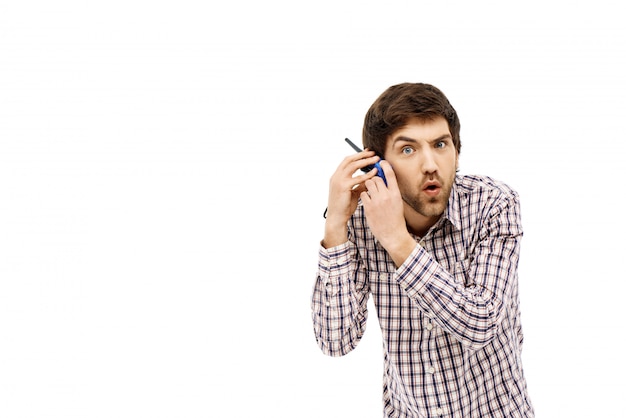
(438, 251)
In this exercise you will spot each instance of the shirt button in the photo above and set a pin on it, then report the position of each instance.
(439, 411)
(429, 326)
(325, 263)
(327, 303)
(431, 370)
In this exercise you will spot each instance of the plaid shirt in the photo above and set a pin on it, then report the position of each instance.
(449, 316)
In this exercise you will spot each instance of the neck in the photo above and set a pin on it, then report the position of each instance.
(419, 224)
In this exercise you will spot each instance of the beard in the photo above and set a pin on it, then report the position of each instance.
(428, 206)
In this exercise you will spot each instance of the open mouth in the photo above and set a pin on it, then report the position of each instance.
(432, 188)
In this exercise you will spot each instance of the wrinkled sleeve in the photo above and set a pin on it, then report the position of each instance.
(470, 302)
(339, 300)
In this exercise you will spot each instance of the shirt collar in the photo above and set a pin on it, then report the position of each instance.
(453, 209)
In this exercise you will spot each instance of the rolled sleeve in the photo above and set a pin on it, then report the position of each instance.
(339, 302)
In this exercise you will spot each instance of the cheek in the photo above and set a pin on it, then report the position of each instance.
(404, 181)
(405, 172)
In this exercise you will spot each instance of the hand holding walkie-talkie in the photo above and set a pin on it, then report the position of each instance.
(379, 171)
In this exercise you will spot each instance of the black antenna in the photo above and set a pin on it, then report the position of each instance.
(353, 145)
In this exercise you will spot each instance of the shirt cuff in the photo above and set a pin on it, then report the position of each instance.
(335, 261)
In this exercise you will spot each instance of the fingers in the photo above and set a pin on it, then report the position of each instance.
(358, 161)
(346, 176)
(375, 193)
(377, 185)
(390, 175)
(345, 185)
(374, 185)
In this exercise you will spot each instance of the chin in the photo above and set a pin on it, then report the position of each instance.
(432, 211)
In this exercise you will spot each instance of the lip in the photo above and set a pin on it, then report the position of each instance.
(432, 188)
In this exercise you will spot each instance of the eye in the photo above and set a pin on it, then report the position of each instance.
(440, 144)
(407, 150)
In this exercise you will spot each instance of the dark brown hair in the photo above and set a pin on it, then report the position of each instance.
(392, 110)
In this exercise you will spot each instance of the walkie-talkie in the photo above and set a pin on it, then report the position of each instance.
(367, 169)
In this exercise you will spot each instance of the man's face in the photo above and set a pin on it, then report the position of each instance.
(425, 161)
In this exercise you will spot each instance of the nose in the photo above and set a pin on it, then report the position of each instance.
(429, 163)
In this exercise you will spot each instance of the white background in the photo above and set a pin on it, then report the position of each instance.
(163, 173)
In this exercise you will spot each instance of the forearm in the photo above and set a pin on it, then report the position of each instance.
(339, 302)
(468, 301)
(335, 233)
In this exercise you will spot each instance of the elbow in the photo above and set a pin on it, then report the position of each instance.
(337, 341)
(334, 348)
(480, 332)
(477, 324)
(477, 341)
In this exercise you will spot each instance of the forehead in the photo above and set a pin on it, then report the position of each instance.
(421, 130)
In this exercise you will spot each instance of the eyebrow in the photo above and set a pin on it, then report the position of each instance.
(414, 141)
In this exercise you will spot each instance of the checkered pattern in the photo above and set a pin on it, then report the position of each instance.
(450, 318)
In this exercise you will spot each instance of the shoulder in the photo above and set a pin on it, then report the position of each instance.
(485, 187)
(489, 202)
(479, 196)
